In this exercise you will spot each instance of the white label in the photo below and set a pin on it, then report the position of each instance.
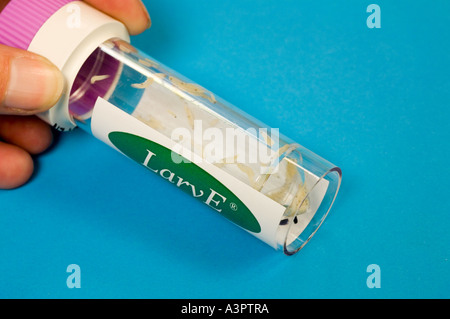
(108, 121)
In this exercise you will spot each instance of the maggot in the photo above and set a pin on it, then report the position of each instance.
(194, 89)
(97, 78)
(172, 113)
(143, 85)
(148, 63)
(247, 170)
(267, 138)
(190, 116)
(125, 47)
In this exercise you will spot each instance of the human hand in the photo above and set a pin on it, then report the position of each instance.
(30, 84)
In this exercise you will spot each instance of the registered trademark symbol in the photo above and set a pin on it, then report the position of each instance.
(233, 206)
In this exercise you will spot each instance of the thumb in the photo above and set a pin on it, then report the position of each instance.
(29, 83)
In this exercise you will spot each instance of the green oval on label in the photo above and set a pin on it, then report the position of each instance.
(187, 176)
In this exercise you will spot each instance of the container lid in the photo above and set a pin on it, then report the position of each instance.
(66, 32)
(21, 20)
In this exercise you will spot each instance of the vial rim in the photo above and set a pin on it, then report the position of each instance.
(286, 249)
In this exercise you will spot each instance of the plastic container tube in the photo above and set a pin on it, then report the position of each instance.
(276, 189)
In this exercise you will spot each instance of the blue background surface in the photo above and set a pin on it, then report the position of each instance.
(373, 101)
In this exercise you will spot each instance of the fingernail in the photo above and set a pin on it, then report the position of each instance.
(35, 85)
(149, 20)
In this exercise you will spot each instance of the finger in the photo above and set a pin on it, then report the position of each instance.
(29, 83)
(27, 132)
(16, 166)
(130, 12)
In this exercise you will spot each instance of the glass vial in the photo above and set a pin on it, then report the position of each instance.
(259, 179)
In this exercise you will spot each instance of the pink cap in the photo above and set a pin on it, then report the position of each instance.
(43, 27)
(20, 20)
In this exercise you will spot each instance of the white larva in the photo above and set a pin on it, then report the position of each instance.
(148, 63)
(190, 116)
(143, 85)
(97, 78)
